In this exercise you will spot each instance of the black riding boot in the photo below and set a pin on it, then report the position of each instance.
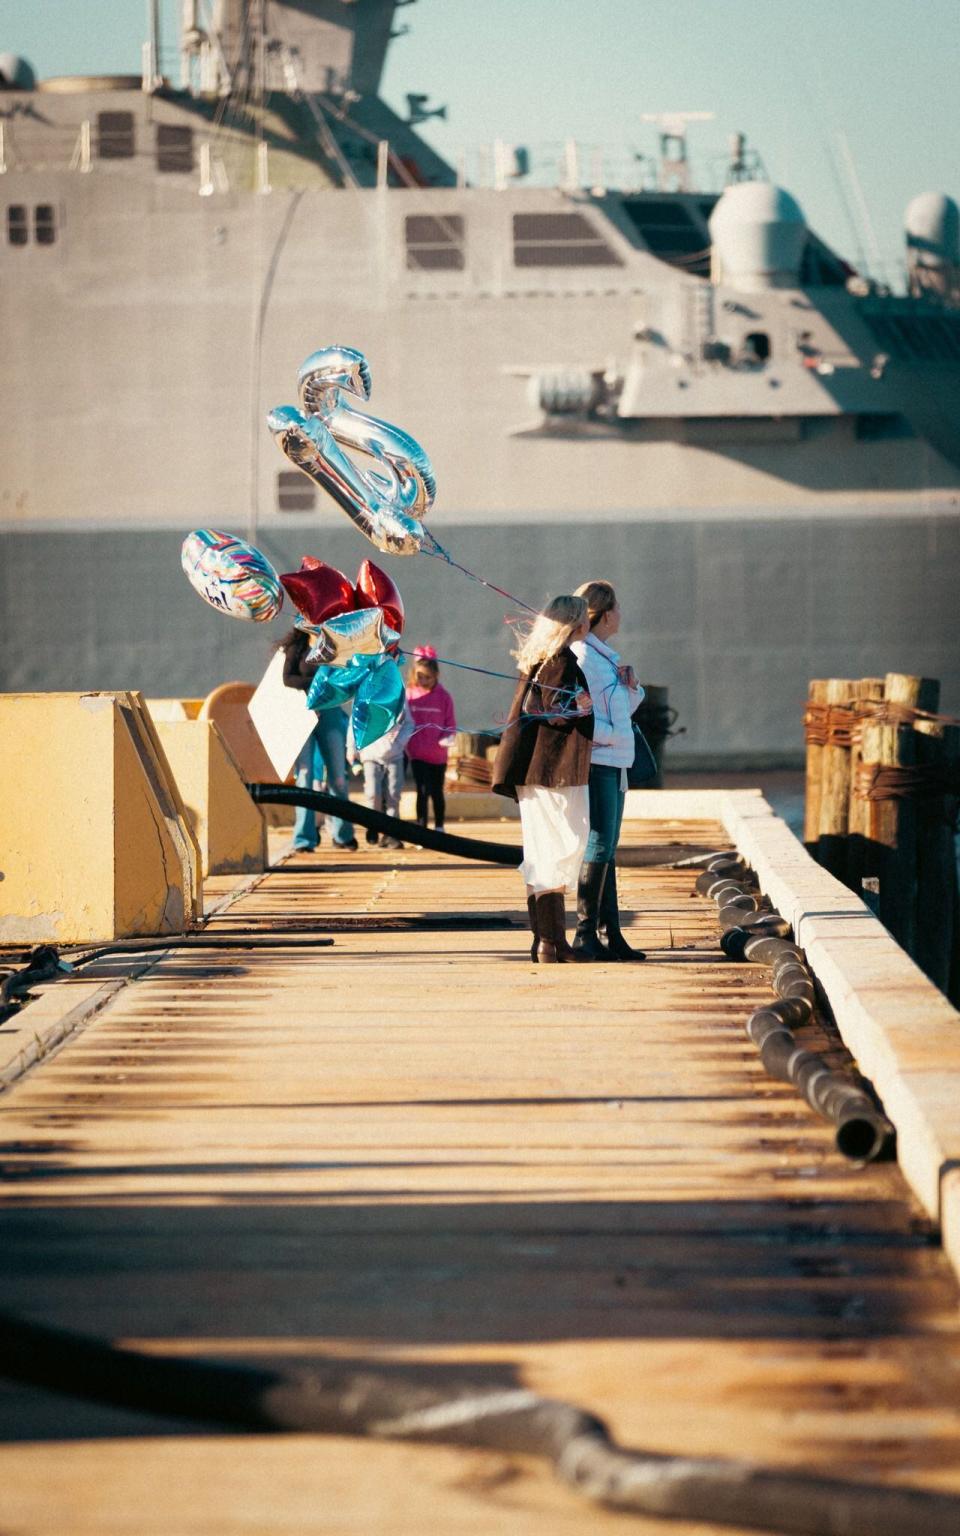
(589, 897)
(553, 948)
(617, 946)
(534, 926)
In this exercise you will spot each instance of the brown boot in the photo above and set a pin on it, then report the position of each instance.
(553, 948)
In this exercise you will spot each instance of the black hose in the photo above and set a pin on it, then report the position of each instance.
(863, 1132)
(42, 964)
(337, 1398)
(197, 941)
(406, 831)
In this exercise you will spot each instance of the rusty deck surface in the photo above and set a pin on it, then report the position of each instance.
(415, 1147)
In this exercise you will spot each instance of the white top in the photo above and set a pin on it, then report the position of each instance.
(387, 748)
(613, 703)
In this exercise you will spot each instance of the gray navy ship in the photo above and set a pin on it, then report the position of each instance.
(687, 392)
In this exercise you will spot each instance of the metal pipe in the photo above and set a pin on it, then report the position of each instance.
(862, 1132)
(337, 1398)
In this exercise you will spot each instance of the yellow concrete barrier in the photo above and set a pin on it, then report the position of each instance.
(229, 828)
(174, 709)
(94, 838)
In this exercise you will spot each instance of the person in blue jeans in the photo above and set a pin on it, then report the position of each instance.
(322, 763)
(616, 694)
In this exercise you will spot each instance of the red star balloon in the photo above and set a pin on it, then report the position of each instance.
(320, 591)
(375, 589)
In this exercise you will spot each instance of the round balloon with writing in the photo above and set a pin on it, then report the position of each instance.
(231, 575)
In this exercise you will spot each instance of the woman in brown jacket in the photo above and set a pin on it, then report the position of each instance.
(544, 763)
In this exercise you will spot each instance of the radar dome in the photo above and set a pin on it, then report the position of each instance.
(759, 234)
(15, 73)
(932, 223)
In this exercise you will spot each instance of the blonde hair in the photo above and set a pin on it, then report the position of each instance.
(600, 598)
(425, 671)
(550, 631)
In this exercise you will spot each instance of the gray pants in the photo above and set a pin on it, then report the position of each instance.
(382, 786)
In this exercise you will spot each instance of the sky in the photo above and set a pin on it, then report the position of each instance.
(852, 104)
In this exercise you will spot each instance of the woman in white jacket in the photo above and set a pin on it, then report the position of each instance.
(616, 694)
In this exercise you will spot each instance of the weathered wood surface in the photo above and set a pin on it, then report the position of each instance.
(890, 848)
(835, 789)
(817, 694)
(418, 1148)
(856, 869)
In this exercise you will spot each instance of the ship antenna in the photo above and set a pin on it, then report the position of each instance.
(674, 165)
(153, 73)
(861, 203)
(841, 192)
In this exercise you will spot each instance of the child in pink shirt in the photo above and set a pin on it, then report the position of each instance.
(435, 720)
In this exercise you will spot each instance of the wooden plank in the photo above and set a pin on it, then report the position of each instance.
(419, 1150)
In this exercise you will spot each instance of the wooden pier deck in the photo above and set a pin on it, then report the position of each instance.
(417, 1149)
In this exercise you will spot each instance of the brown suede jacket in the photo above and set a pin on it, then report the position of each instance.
(298, 672)
(552, 753)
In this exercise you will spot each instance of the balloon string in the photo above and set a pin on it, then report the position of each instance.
(462, 666)
(498, 726)
(438, 549)
(511, 677)
(444, 554)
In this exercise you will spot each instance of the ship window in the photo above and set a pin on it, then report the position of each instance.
(174, 147)
(559, 240)
(434, 244)
(756, 347)
(18, 228)
(295, 493)
(115, 135)
(671, 231)
(45, 224)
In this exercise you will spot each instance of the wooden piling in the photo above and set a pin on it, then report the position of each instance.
(817, 695)
(890, 849)
(835, 787)
(869, 689)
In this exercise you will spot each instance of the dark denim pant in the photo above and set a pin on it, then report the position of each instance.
(606, 814)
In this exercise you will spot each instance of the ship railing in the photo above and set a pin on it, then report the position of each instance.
(74, 147)
(47, 148)
(575, 165)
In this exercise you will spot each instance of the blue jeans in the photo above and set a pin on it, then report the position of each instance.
(606, 814)
(322, 764)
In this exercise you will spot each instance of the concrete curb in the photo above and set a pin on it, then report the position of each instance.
(902, 1031)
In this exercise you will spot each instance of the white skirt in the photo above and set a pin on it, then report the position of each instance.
(556, 825)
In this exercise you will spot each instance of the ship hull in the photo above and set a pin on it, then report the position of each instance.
(734, 614)
(762, 526)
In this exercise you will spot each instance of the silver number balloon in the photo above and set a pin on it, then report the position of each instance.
(362, 633)
(388, 492)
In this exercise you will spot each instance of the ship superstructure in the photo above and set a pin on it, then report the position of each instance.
(687, 389)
